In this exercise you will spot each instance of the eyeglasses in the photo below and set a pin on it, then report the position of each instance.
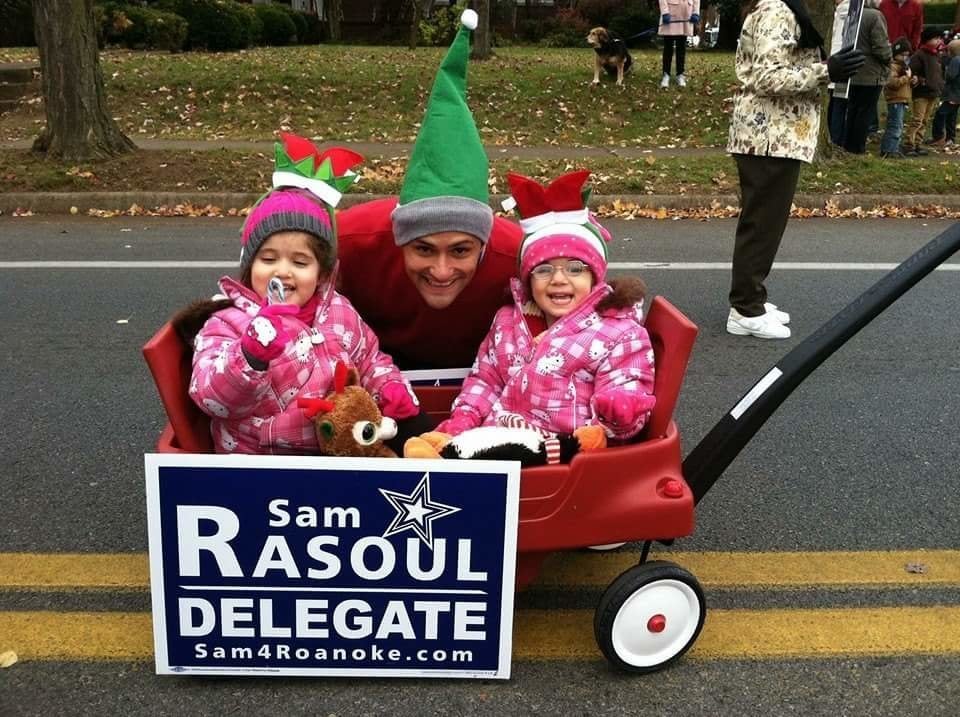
(570, 269)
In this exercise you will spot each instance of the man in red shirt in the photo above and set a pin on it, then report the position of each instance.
(428, 272)
(904, 19)
(431, 300)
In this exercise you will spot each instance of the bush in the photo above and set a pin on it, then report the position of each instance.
(141, 28)
(939, 13)
(252, 27)
(299, 22)
(215, 25)
(442, 25)
(278, 27)
(634, 21)
(314, 34)
(16, 30)
(568, 28)
(599, 12)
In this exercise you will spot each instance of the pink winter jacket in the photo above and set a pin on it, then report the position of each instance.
(551, 382)
(256, 411)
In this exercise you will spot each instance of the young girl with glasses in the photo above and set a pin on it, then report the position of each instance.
(570, 351)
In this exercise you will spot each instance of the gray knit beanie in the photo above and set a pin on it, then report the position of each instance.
(287, 210)
(441, 214)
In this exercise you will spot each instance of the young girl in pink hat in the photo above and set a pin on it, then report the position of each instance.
(254, 357)
(570, 351)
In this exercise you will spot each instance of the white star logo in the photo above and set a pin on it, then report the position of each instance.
(416, 511)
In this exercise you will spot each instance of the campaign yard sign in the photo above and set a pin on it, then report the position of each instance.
(270, 565)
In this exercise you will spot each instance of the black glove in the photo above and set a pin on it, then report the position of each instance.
(844, 64)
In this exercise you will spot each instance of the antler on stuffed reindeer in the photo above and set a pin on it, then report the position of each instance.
(347, 421)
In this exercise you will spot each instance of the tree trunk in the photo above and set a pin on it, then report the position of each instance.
(78, 125)
(421, 9)
(481, 36)
(334, 15)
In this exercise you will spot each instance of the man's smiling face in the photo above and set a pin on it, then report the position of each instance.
(441, 265)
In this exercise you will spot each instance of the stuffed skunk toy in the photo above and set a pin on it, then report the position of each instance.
(528, 445)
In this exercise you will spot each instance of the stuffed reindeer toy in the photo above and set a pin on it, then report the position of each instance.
(347, 421)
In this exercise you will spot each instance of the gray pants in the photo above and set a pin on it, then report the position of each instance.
(767, 186)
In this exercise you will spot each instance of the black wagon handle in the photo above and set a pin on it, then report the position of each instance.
(711, 456)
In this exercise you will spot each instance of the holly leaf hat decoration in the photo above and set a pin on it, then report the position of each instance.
(328, 174)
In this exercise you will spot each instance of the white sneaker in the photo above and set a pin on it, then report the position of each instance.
(782, 316)
(665, 81)
(682, 80)
(765, 326)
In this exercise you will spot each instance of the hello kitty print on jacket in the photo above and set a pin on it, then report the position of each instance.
(550, 382)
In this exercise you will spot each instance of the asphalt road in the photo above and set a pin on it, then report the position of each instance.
(862, 457)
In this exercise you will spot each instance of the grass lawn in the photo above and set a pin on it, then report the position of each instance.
(231, 171)
(524, 96)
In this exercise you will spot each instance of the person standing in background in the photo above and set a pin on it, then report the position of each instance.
(837, 106)
(927, 83)
(774, 127)
(865, 86)
(898, 95)
(945, 119)
(904, 19)
(678, 21)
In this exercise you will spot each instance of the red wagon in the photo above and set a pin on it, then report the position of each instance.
(653, 612)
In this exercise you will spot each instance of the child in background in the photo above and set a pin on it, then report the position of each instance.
(570, 351)
(898, 95)
(927, 83)
(945, 119)
(254, 358)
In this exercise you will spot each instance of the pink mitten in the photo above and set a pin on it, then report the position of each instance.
(265, 338)
(455, 425)
(621, 408)
(396, 401)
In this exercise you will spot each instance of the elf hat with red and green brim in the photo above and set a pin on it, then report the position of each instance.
(557, 223)
(445, 187)
(308, 184)
(325, 174)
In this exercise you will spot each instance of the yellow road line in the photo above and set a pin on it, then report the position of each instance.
(770, 634)
(556, 634)
(130, 571)
(770, 570)
(56, 571)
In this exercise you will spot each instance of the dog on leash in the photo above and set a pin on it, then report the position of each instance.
(611, 54)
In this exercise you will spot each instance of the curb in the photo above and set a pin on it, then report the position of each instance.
(82, 202)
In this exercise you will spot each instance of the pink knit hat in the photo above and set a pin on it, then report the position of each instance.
(556, 223)
(286, 209)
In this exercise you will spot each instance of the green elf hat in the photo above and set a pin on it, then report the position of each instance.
(445, 188)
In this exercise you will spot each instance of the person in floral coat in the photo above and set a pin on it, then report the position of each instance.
(775, 124)
(570, 351)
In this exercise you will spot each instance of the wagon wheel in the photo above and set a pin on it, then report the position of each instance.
(649, 616)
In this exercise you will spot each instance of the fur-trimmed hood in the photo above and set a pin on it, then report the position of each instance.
(625, 293)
